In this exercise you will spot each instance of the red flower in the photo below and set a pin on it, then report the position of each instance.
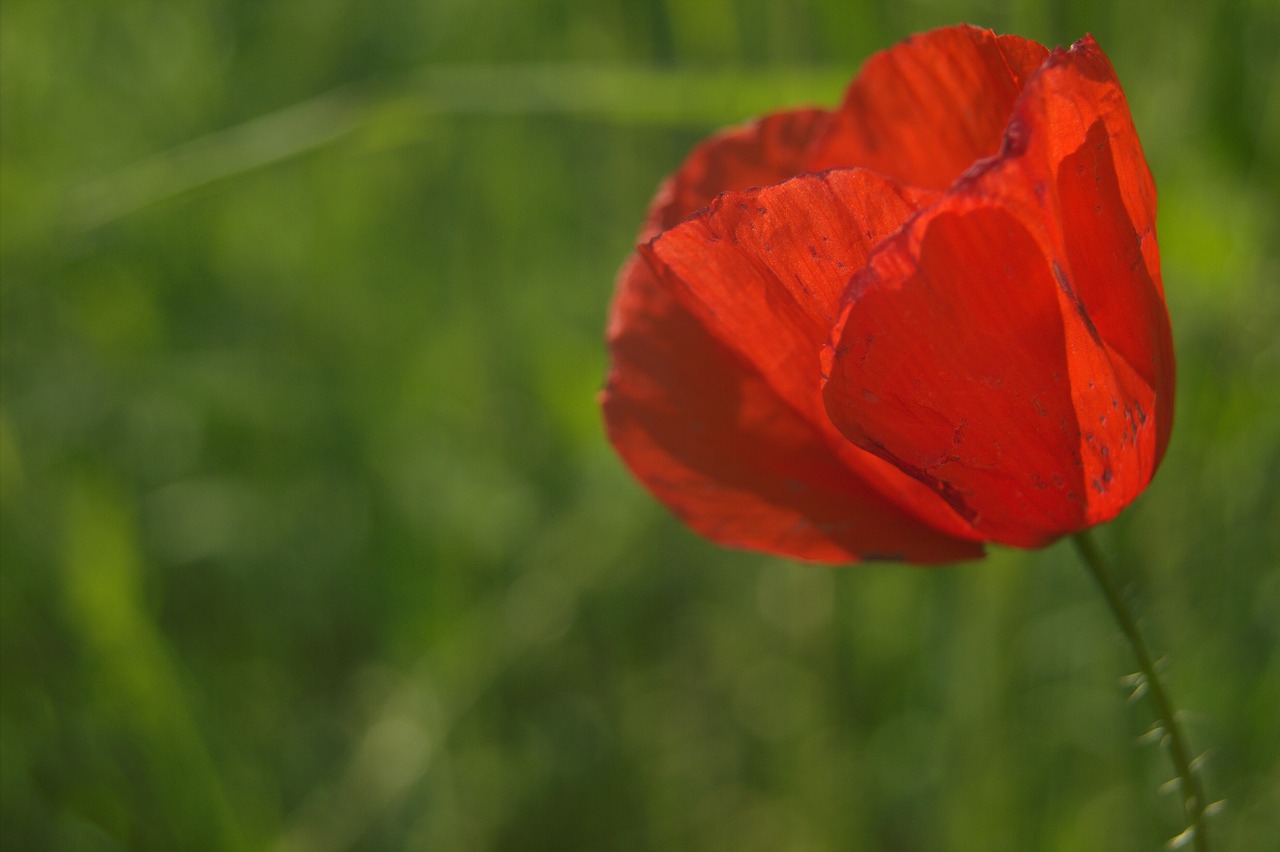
(937, 320)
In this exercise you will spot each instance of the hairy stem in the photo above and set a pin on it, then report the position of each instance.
(1193, 798)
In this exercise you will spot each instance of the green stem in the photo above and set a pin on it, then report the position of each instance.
(1193, 795)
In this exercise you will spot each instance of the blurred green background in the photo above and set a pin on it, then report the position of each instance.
(310, 536)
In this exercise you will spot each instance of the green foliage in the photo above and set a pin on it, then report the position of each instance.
(310, 536)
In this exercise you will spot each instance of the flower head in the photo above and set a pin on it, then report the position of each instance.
(930, 318)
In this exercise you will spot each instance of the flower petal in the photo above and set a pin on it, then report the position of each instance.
(1010, 345)
(763, 152)
(713, 442)
(926, 109)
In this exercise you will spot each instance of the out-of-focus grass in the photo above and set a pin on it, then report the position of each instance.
(310, 538)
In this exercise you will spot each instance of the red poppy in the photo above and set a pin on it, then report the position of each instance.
(930, 318)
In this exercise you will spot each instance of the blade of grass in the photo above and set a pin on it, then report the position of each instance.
(615, 94)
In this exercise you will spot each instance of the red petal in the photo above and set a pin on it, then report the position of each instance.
(766, 151)
(926, 109)
(1011, 345)
(714, 443)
